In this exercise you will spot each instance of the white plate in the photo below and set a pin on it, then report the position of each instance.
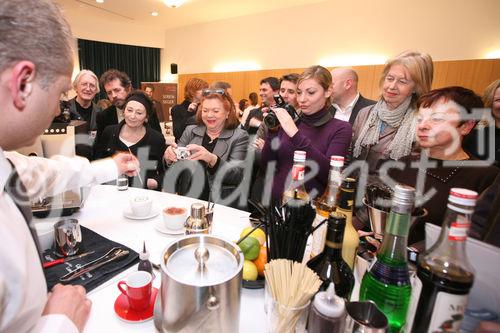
(160, 226)
(130, 215)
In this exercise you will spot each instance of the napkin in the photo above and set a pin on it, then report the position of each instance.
(91, 242)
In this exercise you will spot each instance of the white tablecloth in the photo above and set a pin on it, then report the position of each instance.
(103, 213)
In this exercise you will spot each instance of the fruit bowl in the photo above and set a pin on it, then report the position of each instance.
(255, 284)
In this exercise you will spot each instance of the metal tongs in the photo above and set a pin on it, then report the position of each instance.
(112, 255)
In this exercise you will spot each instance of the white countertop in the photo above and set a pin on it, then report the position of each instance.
(103, 213)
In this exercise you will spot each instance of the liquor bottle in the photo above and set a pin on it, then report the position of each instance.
(387, 281)
(445, 271)
(345, 205)
(329, 264)
(296, 189)
(325, 204)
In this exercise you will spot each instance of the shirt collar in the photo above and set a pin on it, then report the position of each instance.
(349, 106)
(5, 170)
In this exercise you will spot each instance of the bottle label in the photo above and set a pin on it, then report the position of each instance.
(298, 172)
(448, 312)
(319, 236)
(458, 229)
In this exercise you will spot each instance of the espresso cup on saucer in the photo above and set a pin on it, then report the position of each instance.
(174, 218)
(141, 205)
(137, 288)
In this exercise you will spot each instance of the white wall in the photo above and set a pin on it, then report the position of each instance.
(339, 32)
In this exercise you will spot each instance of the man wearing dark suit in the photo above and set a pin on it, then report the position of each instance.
(345, 96)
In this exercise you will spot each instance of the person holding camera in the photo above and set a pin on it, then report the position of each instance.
(316, 131)
(184, 114)
(217, 143)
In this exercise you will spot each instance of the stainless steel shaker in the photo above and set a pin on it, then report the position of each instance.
(365, 317)
(67, 237)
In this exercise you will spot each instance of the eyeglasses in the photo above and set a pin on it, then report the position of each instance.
(206, 92)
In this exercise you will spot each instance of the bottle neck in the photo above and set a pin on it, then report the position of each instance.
(395, 238)
(346, 199)
(298, 171)
(333, 250)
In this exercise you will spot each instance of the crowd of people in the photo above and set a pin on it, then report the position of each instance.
(429, 139)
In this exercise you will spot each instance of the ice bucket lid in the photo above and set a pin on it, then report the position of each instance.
(202, 260)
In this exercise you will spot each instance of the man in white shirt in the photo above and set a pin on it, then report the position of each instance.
(345, 96)
(36, 61)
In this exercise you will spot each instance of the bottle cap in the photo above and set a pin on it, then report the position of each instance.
(462, 196)
(299, 156)
(144, 256)
(403, 199)
(337, 161)
(349, 184)
(329, 304)
(198, 210)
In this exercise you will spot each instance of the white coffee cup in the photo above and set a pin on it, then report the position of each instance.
(141, 205)
(174, 218)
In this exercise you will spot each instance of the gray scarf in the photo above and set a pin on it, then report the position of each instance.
(402, 118)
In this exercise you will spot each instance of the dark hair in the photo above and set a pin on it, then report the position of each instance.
(141, 97)
(242, 103)
(292, 77)
(462, 96)
(113, 74)
(254, 98)
(150, 86)
(232, 120)
(272, 81)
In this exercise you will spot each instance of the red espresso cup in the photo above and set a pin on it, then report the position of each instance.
(137, 289)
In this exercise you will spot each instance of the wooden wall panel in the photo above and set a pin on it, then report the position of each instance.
(472, 74)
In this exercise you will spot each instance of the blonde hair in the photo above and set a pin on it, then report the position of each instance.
(420, 67)
(319, 73)
(489, 92)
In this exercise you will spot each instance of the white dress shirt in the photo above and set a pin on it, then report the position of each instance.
(345, 114)
(23, 291)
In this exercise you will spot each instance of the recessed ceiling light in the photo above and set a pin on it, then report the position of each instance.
(99, 1)
(173, 3)
(155, 13)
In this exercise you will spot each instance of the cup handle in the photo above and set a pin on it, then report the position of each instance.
(123, 290)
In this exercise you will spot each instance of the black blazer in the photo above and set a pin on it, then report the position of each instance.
(361, 103)
(181, 118)
(111, 144)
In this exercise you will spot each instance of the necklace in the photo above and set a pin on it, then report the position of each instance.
(448, 177)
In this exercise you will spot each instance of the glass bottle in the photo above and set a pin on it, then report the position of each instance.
(329, 264)
(387, 281)
(325, 204)
(345, 205)
(445, 271)
(144, 263)
(327, 312)
(296, 188)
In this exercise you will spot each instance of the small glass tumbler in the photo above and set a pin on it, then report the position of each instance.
(282, 319)
(122, 183)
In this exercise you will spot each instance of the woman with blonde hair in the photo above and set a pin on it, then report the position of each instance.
(387, 129)
(316, 131)
(184, 114)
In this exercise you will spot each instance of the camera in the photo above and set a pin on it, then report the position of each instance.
(271, 120)
(182, 153)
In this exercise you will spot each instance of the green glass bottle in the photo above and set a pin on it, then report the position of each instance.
(387, 281)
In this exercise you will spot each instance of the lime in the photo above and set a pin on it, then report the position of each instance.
(257, 233)
(250, 272)
(250, 247)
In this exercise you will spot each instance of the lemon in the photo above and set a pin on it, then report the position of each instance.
(257, 233)
(250, 247)
(250, 272)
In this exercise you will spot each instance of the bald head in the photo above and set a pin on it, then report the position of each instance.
(345, 85)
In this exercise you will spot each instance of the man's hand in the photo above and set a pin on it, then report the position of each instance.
(127, 164)
(70, 301)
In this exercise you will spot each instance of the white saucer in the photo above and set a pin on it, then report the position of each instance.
(160, 226)
(130, 215)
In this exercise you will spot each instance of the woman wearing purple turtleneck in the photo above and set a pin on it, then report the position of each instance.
(316, 131)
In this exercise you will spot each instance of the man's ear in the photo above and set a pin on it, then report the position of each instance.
(21, 83)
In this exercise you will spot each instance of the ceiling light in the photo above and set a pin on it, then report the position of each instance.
(173, 3)
(99, 1)
(155, 13)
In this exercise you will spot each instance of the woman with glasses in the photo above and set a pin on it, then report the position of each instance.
(316, 131)
(387, 129)
(216, 146)
(134, 134)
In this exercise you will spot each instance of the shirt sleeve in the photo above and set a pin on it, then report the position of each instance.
(55, 323)
(46, 177)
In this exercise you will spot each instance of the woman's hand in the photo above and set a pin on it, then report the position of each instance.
(259, 144)
(286, 122)
(169, 154)
(151, 184)
(199, 153)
